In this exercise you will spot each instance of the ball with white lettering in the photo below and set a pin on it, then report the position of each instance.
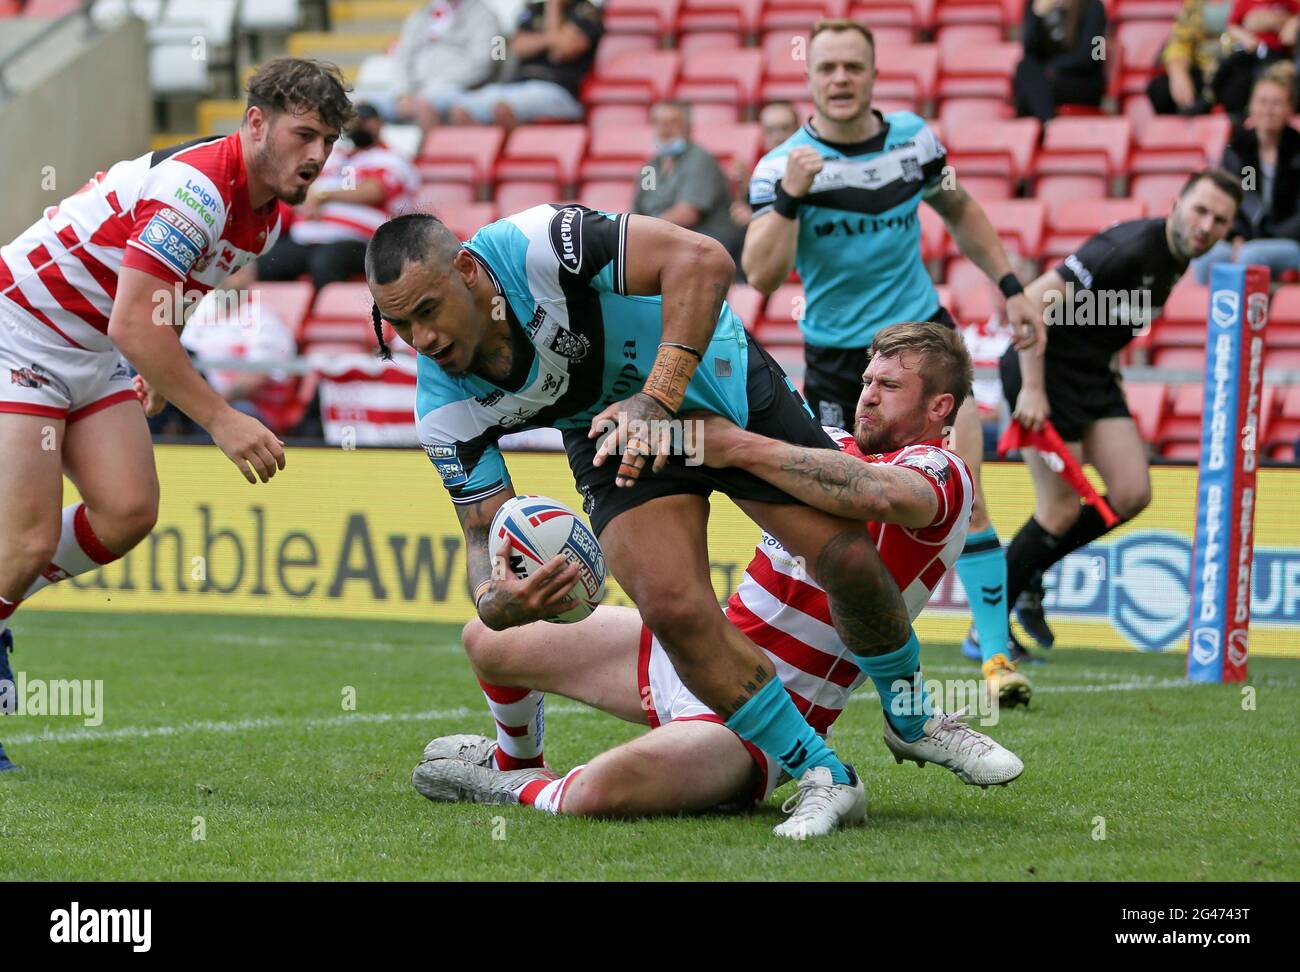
(539, 528)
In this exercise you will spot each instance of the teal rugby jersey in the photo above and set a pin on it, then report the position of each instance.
(859, 250)
(585, 345)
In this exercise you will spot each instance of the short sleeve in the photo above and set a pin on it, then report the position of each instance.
(591, 246)
(938, 469)
(932, 156)
(1086, 265)
(464, 453)
(762, 184)
(178, 220)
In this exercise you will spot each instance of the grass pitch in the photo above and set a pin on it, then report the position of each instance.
(233, 729)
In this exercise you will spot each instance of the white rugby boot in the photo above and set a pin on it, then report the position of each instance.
(820, 805)
(472, 748)
(451, 780)
(971, 755)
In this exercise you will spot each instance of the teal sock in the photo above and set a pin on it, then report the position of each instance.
(898, 681)
(771, 722)
(982, 568)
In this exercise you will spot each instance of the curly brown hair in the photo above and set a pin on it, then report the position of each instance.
(945, 363)
(298, 85)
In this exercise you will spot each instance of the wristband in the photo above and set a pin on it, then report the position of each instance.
(786, 205)
(1010, 286)
(671, 373)
(684, 347)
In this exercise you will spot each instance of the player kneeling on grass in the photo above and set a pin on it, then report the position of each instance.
(892, 472)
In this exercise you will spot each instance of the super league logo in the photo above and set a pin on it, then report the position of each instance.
(1150, 576)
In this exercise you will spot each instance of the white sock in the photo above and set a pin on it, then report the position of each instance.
(547, 796)
(79, 551)
(520, 717)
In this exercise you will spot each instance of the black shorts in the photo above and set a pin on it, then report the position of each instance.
(832, 382)
(775, 410)
(1078, 394)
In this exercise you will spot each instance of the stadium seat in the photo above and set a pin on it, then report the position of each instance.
(515, 197)
(1141, 42)
(934, 234)
(1160, 10)
(50, 8)
(636, 77)
(1059, 188)
(460, 154)
(984, 187)
(1179, 358)
(907, 72)
(1072, 221)
(1284, 359)
(953, 38)
(431, 194)
(1182, 323)
(747, 303)
(1019, 222)
(1146, 401)
(609, 197)
(543, 152)
(973, 298)
(959, 111)
(618, 152)
(466, 219)
(1283, 430)
(1157, 190)
(1085, 146)
(714, 113)
(1169, 144)
(721, 75)
(785, 66)
(656, 17)
(341, 312)
(978, 70)
(1178, 435)
(1283, 329)
(612, 46)
(800, 14)
(740, 16)
(780, 321)
(598, 116)
(1003, 13)
(731, 145)
(291, 299)
(992, 148)
(916, 15)
(709, 40)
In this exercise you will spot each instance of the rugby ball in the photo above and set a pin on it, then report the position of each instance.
(539, 528)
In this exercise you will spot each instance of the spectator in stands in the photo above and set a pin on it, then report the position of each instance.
(445, 47)
(232, 322)
(362, 184)
(778, 121)
(554, 49)
(1063, 62)
(683, 183)
(1190, 59)
(1261, 32)
(1265, 155)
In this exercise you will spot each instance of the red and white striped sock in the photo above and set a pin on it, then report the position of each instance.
(79, 551)
(548, 795)
(519, 715)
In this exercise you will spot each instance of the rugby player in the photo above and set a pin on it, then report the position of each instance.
(894, 472)
(1097, 300)
(597, 323)
(838, 201)
(82, 294)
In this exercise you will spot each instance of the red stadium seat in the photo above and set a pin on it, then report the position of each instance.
(466, 220)
(978, 70)
(1286, 359)
(1284, 428)
(972, 294)
(1146, 400)
(984, 187)
(290, 299)
(956, 37)
(1158, 191)
(916, 15)
(991, 147)
(1161, 10)
(1168, 144)
(609, 197)
(732, 144)
(1019, 222)
(907, 72)
(341, 312)
(535, 152)
(785, 66)
(1003, 13)
(1138, 108)
(637, 78)
(800, 14)
(714, 113)
(1180, 358)
(1071, 222)
(747, 303)
(934, 234)
(1182, 323)
(780, 321)
(740, 16)
(1179, 433)
(599, 116)
(612, 45)
(656, 17)
(1085, 146)
(709, 40)
(1283, 329)
(961, 111)
(721, 76)
(460, 154)
(618, 152)
(1059, 188)
(431, 194)
(515, 197)
(1141, 42)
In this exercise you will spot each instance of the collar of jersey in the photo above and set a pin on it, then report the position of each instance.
(873, 144)
(240, 179)
(518, 376)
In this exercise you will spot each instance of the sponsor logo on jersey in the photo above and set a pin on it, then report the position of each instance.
(33, 376)
(931, 462)
(175, 239)
(566, 238)
(568, 344)
(1079, 270)
(491, 398)
(448, 464)
(201, 202)
(911, 169)
(535, 322)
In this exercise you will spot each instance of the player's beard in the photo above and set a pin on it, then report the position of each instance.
(881, 437)
(269, 168)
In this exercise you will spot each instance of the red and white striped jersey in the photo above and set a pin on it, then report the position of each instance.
(783, 611)
(353, 221)
(181, 214)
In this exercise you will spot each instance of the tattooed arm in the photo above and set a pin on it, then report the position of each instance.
(825, 479)
(506, 601)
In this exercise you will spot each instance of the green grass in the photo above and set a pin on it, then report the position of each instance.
(240, 721)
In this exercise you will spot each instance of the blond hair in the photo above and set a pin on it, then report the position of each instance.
(945, 365)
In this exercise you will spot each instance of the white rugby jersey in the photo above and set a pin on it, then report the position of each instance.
(181, 214)
(783, 611)
(339, 220)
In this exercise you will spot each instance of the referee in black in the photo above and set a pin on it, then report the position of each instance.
(1095, 302)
